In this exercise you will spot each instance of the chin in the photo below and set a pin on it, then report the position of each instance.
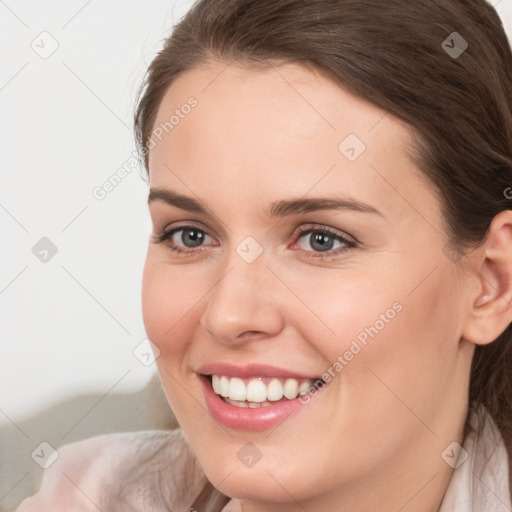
(267, 480)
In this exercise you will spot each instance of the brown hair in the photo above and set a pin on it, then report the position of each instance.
(459, 106)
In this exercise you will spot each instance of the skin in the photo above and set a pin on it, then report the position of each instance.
(372, 438)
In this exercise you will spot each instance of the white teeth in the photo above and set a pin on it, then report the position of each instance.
(237, 389)
(304, 387)
(238, 403)
(252, 405)
(275, 390)
(223, 387)
(291, 389)
(215, 384)
(256, 393)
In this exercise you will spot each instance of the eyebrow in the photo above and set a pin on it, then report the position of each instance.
(277, 209)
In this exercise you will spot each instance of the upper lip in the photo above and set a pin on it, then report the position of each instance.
(250, 370)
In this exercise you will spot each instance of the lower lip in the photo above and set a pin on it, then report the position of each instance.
(246, 418)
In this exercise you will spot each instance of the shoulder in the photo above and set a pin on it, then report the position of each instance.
(481, 476)
(492, 484)
(142, 469)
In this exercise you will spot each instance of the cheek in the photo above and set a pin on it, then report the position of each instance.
(169, 299)
(393, 342)
(155, 302)
(384, 308)
(345, 308)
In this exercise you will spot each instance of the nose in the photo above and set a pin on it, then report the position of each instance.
(243, 305)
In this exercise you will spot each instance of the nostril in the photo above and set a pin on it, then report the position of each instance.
(250, 334)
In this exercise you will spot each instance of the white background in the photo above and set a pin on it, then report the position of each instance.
(70, 325)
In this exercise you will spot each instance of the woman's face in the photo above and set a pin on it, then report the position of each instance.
(310, 248)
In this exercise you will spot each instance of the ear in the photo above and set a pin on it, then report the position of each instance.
(491, 306)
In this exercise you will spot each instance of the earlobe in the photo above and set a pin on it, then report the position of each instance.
(491, 311)
(483, 299)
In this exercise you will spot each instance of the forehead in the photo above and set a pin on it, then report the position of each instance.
(278, 107)
(282, 129)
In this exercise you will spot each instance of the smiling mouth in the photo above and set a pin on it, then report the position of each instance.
(258, 392)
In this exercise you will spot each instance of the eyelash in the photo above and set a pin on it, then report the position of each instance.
(165, 236)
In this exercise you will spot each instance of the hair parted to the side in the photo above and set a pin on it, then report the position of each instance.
(390, 54)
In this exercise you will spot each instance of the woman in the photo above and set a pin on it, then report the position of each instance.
(328, 282)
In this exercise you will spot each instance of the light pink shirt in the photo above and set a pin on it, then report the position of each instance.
(481, 483)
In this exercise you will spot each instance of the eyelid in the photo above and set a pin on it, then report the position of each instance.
(166, 233)
(312, 227)
(184, 224)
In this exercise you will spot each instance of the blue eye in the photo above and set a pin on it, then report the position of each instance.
(323, 241)
(191, 238)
